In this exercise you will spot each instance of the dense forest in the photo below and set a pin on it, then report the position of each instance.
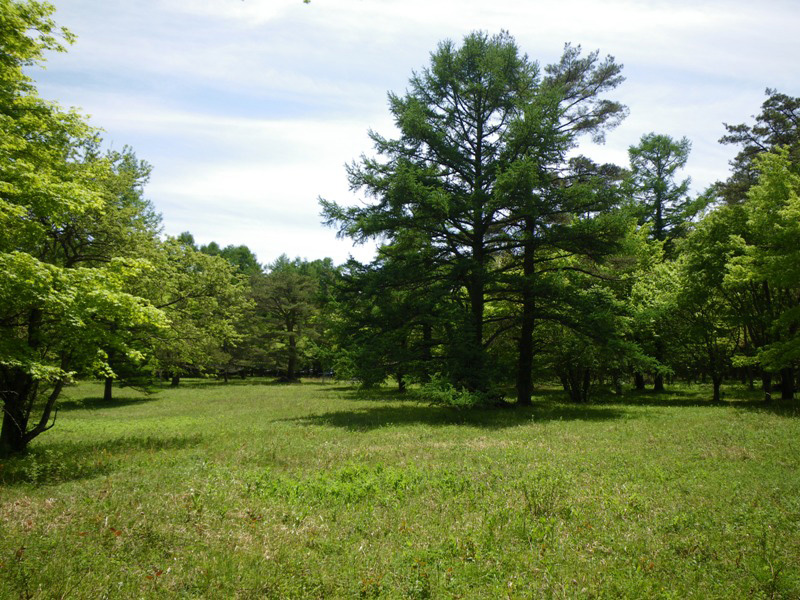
(505, 257)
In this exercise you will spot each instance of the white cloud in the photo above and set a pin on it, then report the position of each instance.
(249, 109)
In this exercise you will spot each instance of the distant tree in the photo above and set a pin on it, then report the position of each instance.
(187, 239)
(778, 124)
(203, 297)
(241, 256)
(661, 201)
(127, 226)
(653, 311)
(286, 298)
(586, 342)
(705, 324)
(747, 252)
(662, 205)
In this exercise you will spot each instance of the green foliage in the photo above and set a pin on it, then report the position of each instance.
(241, 256)
(480, 185)
(434, 185)
(777, 125)
(768, 255)
(291, 301)
(441, 392)
(70, 219)
(661, 201)
(383, 318)
(204, 298)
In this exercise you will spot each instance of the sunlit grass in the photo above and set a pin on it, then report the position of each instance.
(254, 490)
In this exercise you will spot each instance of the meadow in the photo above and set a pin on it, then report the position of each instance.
(319, 490)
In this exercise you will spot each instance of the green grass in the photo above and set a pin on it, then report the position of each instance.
(253, 490)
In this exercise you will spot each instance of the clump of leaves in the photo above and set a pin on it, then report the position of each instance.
(441, 392)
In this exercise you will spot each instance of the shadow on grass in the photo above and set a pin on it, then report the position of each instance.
(701, 396)
(410, 414)
(782, 408)
(649, 398)
(373, 394)
(249, 381)
(71, 461)
(542, 393)
(98, 402)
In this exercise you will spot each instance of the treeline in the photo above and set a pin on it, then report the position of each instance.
(505, 257)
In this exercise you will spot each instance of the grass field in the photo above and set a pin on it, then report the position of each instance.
(252, 490)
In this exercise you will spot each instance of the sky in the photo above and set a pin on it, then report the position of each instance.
(249, 110)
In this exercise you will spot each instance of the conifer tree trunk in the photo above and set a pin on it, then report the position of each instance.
(291, 367)
(427, 356)
(473, 369)
(525, 347)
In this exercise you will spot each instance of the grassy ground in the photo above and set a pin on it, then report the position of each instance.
(256, 490)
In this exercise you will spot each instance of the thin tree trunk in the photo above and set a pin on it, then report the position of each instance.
(587, 382)
(291, 367)
(638, 380)
(766, 385)
(577, 382)
(107, 389)
(787, 383)
(176, 380)
(427, 356)
(658, 379)
(474, 368)
(717, 381)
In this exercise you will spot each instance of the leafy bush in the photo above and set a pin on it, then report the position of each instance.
(442, 392)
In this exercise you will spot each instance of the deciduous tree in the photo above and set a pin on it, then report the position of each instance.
(61, 283)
